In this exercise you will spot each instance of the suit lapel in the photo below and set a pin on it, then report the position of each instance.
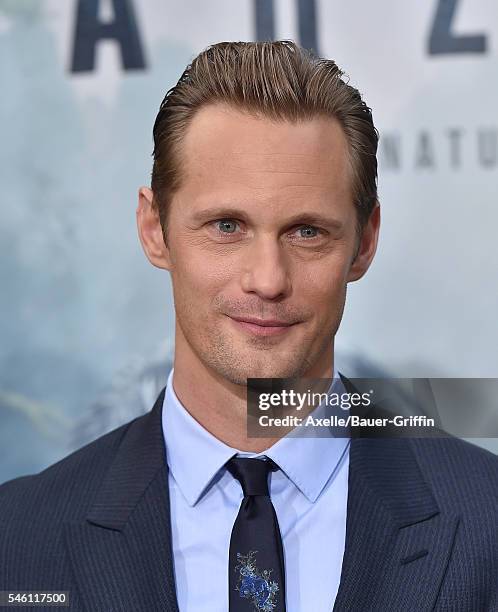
(398, 541)
(121, 554)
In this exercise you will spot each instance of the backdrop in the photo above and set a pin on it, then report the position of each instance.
(87, 323)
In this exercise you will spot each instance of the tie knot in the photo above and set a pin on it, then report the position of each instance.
(252, 474)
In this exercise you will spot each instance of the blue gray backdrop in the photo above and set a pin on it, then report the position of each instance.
(86, 325)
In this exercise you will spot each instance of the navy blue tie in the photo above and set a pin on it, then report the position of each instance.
(256, 559)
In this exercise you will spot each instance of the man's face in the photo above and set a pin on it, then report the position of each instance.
(261, 229)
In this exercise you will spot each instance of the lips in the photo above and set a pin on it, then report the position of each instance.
(262, 322)
(262, 327)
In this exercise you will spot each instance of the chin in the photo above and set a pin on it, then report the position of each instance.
(240, 375)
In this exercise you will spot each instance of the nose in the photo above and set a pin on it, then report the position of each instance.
(265, 271)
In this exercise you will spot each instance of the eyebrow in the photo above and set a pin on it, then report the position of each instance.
(306, 218)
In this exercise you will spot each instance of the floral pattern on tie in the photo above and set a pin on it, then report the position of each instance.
(254, 584)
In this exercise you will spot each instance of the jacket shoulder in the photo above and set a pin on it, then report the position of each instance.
(462, 474)
(34, 510)
(65, 489)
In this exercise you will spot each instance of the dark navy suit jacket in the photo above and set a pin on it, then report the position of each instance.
(421, 532)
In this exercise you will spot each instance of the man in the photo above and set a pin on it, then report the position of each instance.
(263, 207)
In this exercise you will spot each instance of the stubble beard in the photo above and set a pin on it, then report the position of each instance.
(221, 352)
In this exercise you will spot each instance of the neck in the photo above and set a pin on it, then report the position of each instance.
(219, 405)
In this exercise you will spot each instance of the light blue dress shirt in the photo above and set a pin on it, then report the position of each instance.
(309, 494)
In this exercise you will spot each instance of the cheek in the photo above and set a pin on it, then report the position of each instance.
(200, 277)
(326, 302)
(321, 283)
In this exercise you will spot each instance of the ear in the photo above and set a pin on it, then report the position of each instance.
(367, 246)
(150, 231)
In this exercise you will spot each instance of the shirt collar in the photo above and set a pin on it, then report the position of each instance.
(195, 456)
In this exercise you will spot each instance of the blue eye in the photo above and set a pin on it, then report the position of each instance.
(226, 226)
(309, 231)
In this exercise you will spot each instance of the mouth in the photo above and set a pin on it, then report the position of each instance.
(262, 327)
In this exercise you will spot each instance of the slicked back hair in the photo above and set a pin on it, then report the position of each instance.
(278, 80)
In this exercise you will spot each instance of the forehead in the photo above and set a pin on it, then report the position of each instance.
(226, 148)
